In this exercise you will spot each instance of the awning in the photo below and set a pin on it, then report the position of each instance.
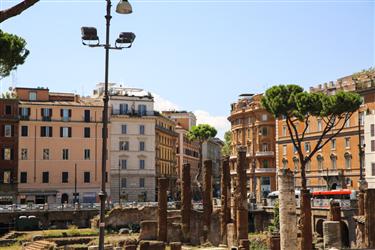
(38, 192)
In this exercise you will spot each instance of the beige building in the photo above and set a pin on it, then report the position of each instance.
(132, 147)
(59, 147)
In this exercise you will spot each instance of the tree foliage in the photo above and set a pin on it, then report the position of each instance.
(225, 150)
(201, 133)
(12, 53)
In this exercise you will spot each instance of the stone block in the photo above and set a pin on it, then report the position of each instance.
(130, 247)
(157, 245)
(175, 245)
(231, 231)
(332, 234)
(174, 232)
(148, 230)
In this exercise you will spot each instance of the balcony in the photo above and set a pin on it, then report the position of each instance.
(265, 170)
(131, 112)
(264, 153)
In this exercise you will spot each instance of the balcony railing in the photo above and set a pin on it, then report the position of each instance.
(265, 170)
(132, 113)
(264, 153)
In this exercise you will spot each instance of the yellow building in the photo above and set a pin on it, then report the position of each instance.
(165, 142)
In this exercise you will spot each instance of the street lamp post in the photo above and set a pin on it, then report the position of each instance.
(125, 40)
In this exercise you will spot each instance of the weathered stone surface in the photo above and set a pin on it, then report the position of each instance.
(305, 219)
(334, 211)
(157, 245)
(130, 247)
(242, 207)
(274, 241)
(174, 232)
(162, 209)
(186, 202)
(332, 234)
(175, 245)
(287, 208)
(231, 239)
(124, 231)
(144, 245)
(214, 236)
(148, 230)
(106, 247)
(244, 244)
(370, 217)
(207, 197)
(225, 199)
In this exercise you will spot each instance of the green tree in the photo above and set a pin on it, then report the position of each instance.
(296, 106)
(225, 150)
(201, 133)
(12, 53)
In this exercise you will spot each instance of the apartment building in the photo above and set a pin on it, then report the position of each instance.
(336, 165)
(252, 126)
(59, 152)
(8, 149)
(132, 147)
(187, 151)
(166, 140)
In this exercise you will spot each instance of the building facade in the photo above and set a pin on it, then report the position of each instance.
(252, 126)
(8, 149)
(187, 151)
(166, 147)
(59, 147)
(211, 150)
(132, 148)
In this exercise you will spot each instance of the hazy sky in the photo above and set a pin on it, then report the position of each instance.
(197, 55)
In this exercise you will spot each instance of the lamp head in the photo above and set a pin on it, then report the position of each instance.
(124, 7)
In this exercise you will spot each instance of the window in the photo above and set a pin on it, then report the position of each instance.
(45, 154)
(333, 144)
(32, 96)
(333, 162)
(284, 149)
(307, 146)
(141, 164)
(123, 108)
(141, 146)
(319, 125)
(86, 177)
(372, 129)
(86, 132)
(264, 131)
(87, 154)
(142, 182)
(308, 166)
(45, 177)
(348, 161)
(7, 154)
(142, 129)
(123, 182)
(7, 177)
(142, 109)
(294, 149)
(264, 147)
(373, 169)
(295, 162)
(320, 162)
(65, 155)
(123, 163)
(45, 131)
(284, 131)
(65, 177)
(362, 141)
(285, 163)
(347, 123)
(124, 145)
(23, 177)
(24, 113)
(8, 109)
(106, 176)
(8, 130)
(46, 114)
(65, 132)
(87, 117)
(361, 118)
(124, 129)
(24, 154)
(372, 145)
(65, 114)
(265, 163)
(24, 130)
(264, 117)
(347, 142)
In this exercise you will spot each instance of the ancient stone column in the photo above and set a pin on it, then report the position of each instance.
(242, 207)
(287, 208)
(207, 196)
(186, 201)
(332, 235)
(162, 209)
(334, 211)
(305, 225)
(225, 192)
(370, 218)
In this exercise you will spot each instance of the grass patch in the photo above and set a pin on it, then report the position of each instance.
(12, 247)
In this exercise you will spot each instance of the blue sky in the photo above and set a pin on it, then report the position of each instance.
(197, 55)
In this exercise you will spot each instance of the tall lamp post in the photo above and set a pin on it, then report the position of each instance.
(125, 40)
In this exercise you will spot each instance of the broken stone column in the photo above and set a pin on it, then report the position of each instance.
(175, 245)
(242, 207)
(186, 202)
(162, 209)
(334, 211)
(370, 218)
(332, 235)
(225, 193)
(287, 208)
(207, 197)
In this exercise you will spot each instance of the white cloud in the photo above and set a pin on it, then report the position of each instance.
(219, 122)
